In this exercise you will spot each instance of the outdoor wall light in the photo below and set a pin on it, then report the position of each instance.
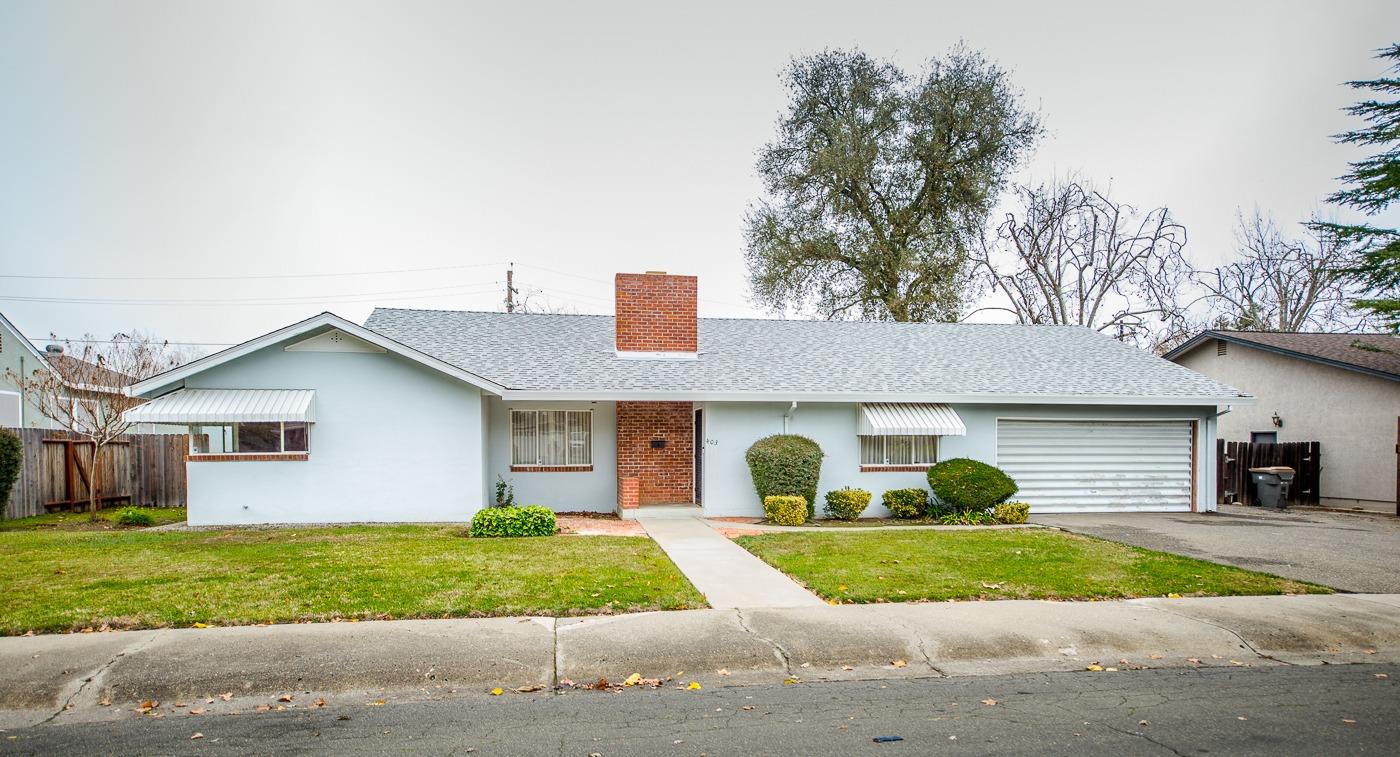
(1278, 422)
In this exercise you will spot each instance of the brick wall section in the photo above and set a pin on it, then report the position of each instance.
(664, 475)
(656, 312)
(627, 493)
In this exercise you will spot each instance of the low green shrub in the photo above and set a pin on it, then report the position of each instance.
(965, 484)
(906, 503)
(132, 516)
(1011, 513)
(966, 518)
(785, 509)
(785, 464)
(531, 520)
(846, 503)
(11, 460)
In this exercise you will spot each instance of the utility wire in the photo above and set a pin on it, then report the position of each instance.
(246, 277)
(472, 288)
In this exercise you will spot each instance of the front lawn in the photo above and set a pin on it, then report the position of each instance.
(60, 581)
(885, 566)
(107, 520)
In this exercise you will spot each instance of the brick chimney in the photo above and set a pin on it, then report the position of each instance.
(656, 313)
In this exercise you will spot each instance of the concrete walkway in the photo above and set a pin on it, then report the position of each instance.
(250, 669)
(727, 574)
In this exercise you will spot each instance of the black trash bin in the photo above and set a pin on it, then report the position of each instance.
(1272, 484)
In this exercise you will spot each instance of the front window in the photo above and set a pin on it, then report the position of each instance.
(551, 438)
(898, 450)
(250, 438)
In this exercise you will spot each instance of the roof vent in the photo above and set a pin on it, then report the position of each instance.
(1221, 346)
(53, 349)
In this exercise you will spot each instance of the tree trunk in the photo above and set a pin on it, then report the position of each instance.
(95, 485)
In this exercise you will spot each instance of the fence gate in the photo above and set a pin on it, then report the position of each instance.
(56, 474)
(1234, 459)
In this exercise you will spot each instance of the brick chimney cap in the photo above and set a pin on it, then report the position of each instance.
(656, 273)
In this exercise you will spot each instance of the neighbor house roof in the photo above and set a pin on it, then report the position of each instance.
(1371, 353)
(574, 357)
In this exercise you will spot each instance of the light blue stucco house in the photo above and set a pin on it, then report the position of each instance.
(416, 414)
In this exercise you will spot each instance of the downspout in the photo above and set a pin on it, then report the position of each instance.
(788, 415)
(21, 391)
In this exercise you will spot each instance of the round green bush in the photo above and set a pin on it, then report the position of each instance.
(963, 484)
(531, 520)
(785, 509)
(906, 503)
(846, 503)
(786, 464)
(131, 516)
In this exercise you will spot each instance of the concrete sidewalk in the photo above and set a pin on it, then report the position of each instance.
(727, 574)
(69, 677)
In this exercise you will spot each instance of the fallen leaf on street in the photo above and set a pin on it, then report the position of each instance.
(527, 689)
(1382, 675)
(262, 708)
(693, 686)
(1155, 656)
(380, 702)
(747, 707)
(1348, 721)
(497, 691)
(900, 664)
(285, 698)
(1095, 668)
(105, 702)
(847, 667)
(226, 696)
(724, 671)
(197, 735)
(989, 702)
(197, 711)
(791, 680)
(1173, 595)
(148, 704)
(201, 625)
(633, 680)
(1194, 660)
(320, 702)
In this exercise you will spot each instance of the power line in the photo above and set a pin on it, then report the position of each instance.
(246, 277)
(472, 288)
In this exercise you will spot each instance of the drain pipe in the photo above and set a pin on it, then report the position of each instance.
(788, 416)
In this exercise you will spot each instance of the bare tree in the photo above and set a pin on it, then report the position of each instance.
(83, 390)
(1285, 284)
(1073, 256)
(539, 302)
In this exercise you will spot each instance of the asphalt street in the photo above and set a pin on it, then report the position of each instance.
(1322, 709)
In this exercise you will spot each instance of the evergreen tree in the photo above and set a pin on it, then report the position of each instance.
(1372, 185)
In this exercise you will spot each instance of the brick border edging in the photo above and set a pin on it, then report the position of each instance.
(894, 468)
(551, 469)
(294, 457)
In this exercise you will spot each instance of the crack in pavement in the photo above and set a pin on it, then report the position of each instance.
(1146, 738)
(778, 651)
(1231, 631)
(97, 676)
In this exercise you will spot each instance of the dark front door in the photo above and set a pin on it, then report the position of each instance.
(699, 451)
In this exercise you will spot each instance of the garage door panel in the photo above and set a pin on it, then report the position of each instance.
(1105, 466)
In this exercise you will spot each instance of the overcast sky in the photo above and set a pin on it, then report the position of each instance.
(172, 143)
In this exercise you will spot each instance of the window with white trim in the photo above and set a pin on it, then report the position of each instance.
(250, 438)
(551, 438)
(898, 450)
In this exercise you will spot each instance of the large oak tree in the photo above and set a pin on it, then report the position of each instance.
(879, 182)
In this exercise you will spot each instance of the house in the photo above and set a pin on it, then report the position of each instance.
(415, 415)
(18, 356)
(1342, 390)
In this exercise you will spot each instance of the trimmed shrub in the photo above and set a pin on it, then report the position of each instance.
(11, 458)
(785, 509)
(786, 464)
(906, 503)
(846, 503)
(131, 516)
(1011, 513)
(962, 484)
(531, 520)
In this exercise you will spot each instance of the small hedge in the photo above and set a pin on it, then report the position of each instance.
(846, 503)
(962, 484)
(131, 516)
(531, 520)
(966, 518)
(11, 459)
(785, 509)
(1011, 513)
(785, 464)
(906, 503)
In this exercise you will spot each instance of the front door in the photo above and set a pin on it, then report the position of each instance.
(699, 452)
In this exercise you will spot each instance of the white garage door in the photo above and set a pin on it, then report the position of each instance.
(1098, 466)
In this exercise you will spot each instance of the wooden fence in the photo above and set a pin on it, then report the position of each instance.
(139, 469)
(1234, 459)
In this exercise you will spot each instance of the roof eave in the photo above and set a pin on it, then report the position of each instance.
(962, 399)
(1199, 339)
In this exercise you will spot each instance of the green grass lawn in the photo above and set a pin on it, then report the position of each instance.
(82, 522)
(57, 581)
(1002, 564)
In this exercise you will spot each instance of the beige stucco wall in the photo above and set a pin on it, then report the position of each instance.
(1352, 414)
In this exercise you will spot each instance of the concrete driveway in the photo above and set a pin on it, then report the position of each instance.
(1347, 551)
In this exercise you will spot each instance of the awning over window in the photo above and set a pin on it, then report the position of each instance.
(227, 406)
(916, 419)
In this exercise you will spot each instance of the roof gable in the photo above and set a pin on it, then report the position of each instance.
(1374, 354)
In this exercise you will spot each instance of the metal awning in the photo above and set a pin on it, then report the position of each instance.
(918, 419)
(227, 406)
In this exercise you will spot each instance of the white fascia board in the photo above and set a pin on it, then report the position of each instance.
(177, 375)
(43, 360)
(960, 399)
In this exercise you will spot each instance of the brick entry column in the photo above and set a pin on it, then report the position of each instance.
(656, 445)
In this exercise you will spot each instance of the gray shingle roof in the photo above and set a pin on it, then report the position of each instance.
(575, 353)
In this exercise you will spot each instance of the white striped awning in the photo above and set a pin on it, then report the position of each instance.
(917, 419)
(227, 406)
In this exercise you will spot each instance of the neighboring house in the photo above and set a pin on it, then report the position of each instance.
(414, 416)
(1342, 390)
(19, 356)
